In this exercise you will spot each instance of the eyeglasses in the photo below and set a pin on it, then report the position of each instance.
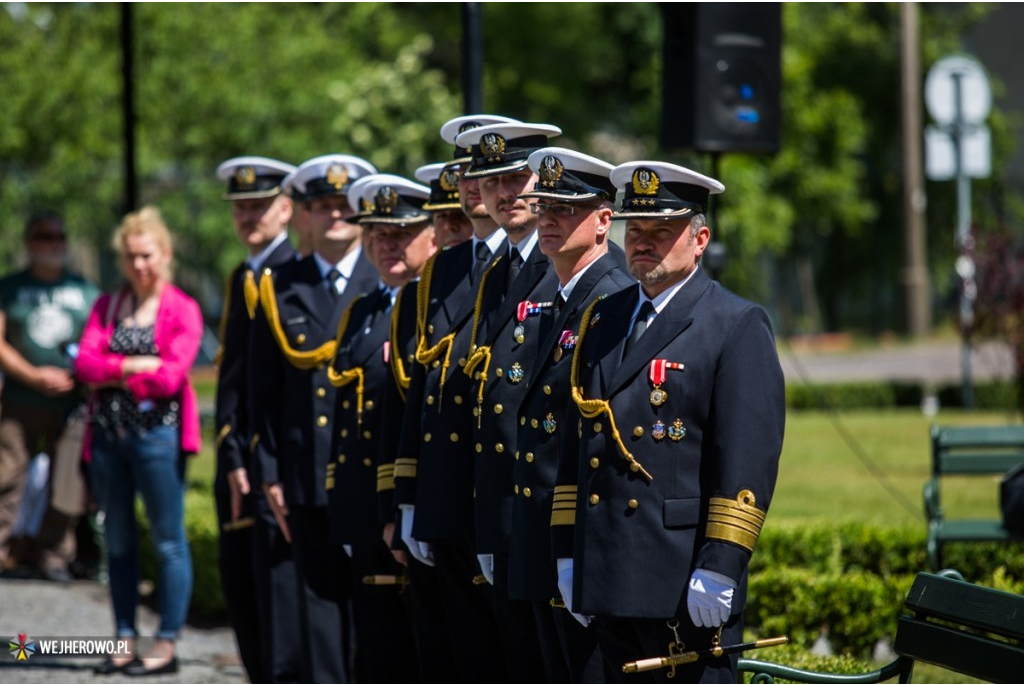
(560, 210)
(48, 238)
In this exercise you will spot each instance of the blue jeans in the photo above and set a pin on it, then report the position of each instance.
(148, 462)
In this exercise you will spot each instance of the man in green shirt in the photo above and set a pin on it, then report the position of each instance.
(42, 312)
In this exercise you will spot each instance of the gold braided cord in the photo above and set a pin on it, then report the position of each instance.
(423, 295)
(594, 407)
(251, 292)
(222, 433)
(397, 364)
(342, 378)
(223, 328)
(479, 355)
(426, 355)
(307, 359)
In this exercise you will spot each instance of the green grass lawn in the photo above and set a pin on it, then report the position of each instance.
(871, 466)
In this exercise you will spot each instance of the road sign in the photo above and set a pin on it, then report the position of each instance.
(940, 153)
(941, 91)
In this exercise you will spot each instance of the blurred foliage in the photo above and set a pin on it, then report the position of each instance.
(293, 80)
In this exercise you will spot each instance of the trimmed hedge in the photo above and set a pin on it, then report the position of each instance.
(851, 547)
(997, 395)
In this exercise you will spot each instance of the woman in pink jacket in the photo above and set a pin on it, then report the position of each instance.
(136, 352)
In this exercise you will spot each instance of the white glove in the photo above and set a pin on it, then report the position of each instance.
(486, 562)
(565, 588)
(348, 550)
(710, 598)
(421, 551)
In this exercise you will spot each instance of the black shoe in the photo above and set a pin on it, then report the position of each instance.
(108, 667)
(138, 668)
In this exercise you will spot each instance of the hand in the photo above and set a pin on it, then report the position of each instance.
(53, 381)
(238, 483)
(142, 363)
(389, 537)
(275, 498)
(565, 589)
(486, 562)
(421, 551)
(710, 598)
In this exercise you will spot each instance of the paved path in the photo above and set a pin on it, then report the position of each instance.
(82, 609)
(938, 363)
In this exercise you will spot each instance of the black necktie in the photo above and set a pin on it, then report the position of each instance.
(515, 261)
(639, 325)
(480, 259)
(332, 283)
(559, 303)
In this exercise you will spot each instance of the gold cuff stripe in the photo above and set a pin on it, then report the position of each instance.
(733, 534)
(565, 497)
(385, 483)
(722, 514)
(405, 468)
(736, 520)
(385, 470)
(255, 441)
(566, 488)
(223, 433)
(563, 518)
(330, 483)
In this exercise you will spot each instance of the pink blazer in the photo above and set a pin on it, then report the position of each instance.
(177, 332)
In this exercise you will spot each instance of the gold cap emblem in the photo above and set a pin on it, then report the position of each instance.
(245, 177)
(367, 205)
(387, 199)
(551, 171)
(449, 180)
(337, 175)
(492, 144)
(645, 182)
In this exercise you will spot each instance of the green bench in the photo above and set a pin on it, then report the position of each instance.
(959, 626)
(973, 451)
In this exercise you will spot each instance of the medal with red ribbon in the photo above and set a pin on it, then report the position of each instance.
(523, 310)
(659, 367)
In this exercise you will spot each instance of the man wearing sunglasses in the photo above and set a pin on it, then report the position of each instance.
(42, 311)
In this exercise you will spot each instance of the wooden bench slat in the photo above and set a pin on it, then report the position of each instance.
(972, 529)
(966, 653)
(964, 603)
(978, 463)
(971, 436)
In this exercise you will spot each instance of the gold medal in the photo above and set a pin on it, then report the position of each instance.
(558, 354)
(658, 397)
(519, 334)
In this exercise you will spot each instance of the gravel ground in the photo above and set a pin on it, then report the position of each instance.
(82, 609)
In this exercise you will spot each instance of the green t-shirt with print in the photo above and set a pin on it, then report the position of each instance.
(42, 318)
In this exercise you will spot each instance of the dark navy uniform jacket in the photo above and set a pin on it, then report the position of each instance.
(361, 367)
(234, 401)
(512, 363)
(294, 345)
(402, 358)
(531, 573)
(434, 466)
(703, 464)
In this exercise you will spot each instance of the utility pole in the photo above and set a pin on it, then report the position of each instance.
(916, 284)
